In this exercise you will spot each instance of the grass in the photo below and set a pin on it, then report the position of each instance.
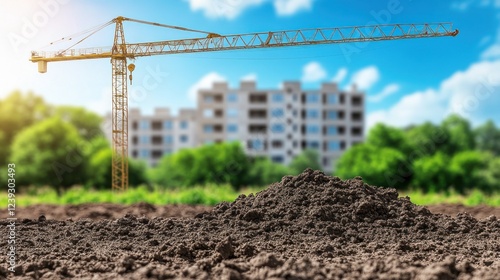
(204, 195)
(473, 198)
(210, 195)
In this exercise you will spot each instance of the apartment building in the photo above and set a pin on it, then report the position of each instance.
(277, 123)
(281, 123)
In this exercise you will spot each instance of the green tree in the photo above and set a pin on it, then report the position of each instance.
(47, 153)
(17, 112)
(467, 170)
(425, 140)
(432, 173)
(487, 138)
(377, 166)
(86, 122)
(100, 169)
(224, 163)
(492, 175)
(309, 158)
(264, 172)
(384, 136)
(461, 137)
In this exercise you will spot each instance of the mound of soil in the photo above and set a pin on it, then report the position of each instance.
(310, 226)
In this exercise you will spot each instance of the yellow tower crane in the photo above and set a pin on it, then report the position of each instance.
(121, 51)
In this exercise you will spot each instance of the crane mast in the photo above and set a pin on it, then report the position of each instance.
(121, 51)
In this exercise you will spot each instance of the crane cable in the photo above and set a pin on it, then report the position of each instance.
(70, 37)
(166, 26)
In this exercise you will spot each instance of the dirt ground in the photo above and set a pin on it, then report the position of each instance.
(310, 226)
(113, 211)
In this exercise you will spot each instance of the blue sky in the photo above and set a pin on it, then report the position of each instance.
(406, 81)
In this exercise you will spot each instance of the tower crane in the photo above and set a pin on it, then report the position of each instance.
(121, 51)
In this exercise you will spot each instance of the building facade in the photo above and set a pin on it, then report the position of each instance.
(277, 123)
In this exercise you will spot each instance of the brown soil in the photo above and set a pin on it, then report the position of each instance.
(311, 226)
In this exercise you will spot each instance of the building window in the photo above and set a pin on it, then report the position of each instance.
(277, 128)
(331, 115)
(144, 124)
(313, 145)
(156, 154)
(184, 125)
(208, 113)
(312, 114)
(333, 146)
(208, 99)
(312, 129)
(312, 98)
(144, 139)
(232, 128)
(144, 154)
(331, 98)
(276, 144)
(256, 144)
(183, 138)
(331, 130)
(208, 128)
(277, 97)
(278, 159)
(134, 140)
(156, 125)
(168, 139)
(232, 97)
(277, 113)
(232, 113)
(134, 153)
(157, 140)
(168, 125)
(134, 125)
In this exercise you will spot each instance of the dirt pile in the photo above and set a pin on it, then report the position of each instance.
(311, 226)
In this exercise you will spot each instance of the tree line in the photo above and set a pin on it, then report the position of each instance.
(430, 157)
(62, 146)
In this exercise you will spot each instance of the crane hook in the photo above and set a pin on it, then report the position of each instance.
(131, 68)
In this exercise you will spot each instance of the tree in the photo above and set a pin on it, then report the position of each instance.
(467, 170)
(432, 173)
(224, 163)
(47, 153)
(17, 112)
(86, 122)
(309, 158)
(384, 136)
(487, 138)
(492, 175)
(425, 140)
(377, 166)
(99, 170)
(264, 172)
(460, 134)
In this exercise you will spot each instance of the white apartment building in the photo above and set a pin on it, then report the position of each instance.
(281, 123)
(277, 123)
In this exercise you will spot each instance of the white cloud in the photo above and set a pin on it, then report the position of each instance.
(473, 93)
(491, 52)
(206, 82)
(340, 76)
(229, 9)
(251, 77)
(313, 72)
(386, 92)
(366, 77)
(463, 5)
(291, 7)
